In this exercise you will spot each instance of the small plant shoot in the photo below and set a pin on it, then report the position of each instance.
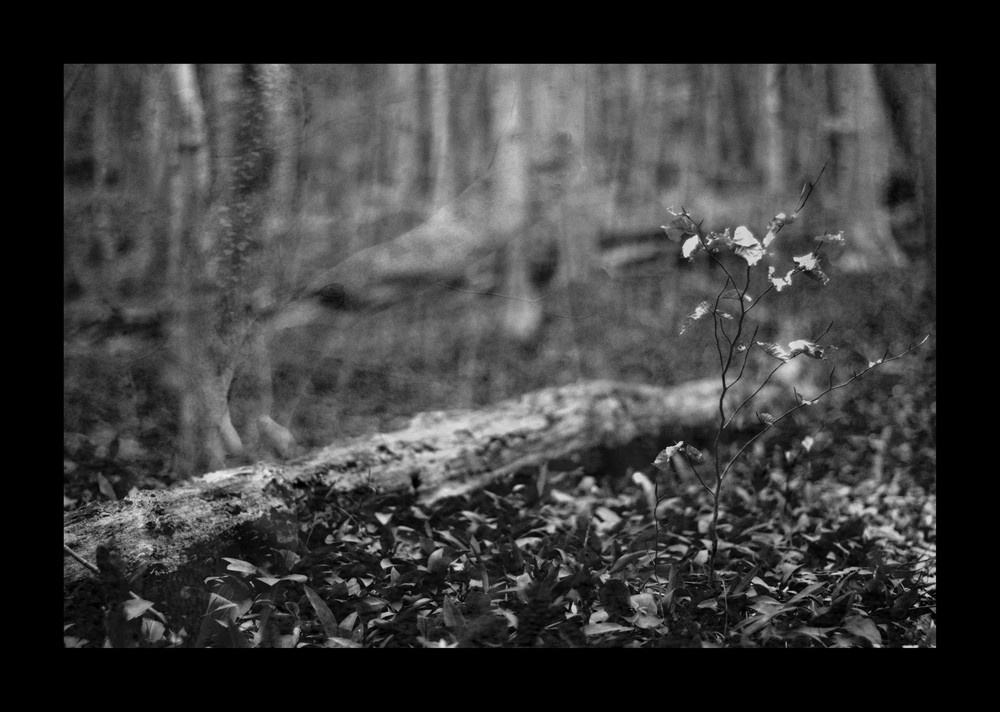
(731, 326)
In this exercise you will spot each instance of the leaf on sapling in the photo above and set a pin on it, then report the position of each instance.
(714, 238)
(779, 282)
(746, 246)
(699, 311)
(777, 222)
(693, 453)
(807, 262)
(690, 246)
(681, 225)
(810, 265)
(775, 350)
(662, 461)
(817, 275)
(831, 238)
(808, 348)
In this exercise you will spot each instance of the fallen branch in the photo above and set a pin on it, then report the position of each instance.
(449, 452)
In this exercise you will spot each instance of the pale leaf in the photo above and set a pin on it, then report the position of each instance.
(662, 461)
(775, 350)
(690, 246)
(808, 348)
(746, 246)
(699, 311)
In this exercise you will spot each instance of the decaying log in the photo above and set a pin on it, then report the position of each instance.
(449, 452)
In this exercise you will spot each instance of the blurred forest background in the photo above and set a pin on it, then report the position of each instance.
(260, 259)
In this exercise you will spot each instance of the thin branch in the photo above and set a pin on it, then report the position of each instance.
(825, 331)
(696, 473)
(753, 395)
(807, 189)
(746, 355)
(802, 402)
(82, 560)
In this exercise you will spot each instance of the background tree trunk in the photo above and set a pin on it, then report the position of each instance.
(225, 265)
(104, 241)
(443, 174)
(910, 95)
(195, 348)
(522, 318)
(861, 168)
(404, 120)
(774, 139)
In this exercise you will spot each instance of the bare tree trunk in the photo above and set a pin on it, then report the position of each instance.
(201, 393)
(443, 175)
(522, 319)
(909, 92)
(576, 231)
(860, 161)
(404, 128)
(713, 129)
(102, 148)
(223, 102)
(774, 139)
(225, 264)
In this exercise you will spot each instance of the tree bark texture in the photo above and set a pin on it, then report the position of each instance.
(450, 452)
(231, 191)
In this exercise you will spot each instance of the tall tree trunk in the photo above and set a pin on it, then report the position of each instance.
(194, 374)
(102, 149)
(909, 92)
(774, 140)
(443, 174)
(522, 318)
(860, 159)
(577, 234)
(404, 131)
(225, 261)
(713, 128)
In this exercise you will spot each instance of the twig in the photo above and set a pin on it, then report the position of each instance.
(82, 560)
(132, 594)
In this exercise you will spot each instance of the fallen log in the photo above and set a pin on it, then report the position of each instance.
(447, 452)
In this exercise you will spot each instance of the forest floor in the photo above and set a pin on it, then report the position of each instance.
(827, 531)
